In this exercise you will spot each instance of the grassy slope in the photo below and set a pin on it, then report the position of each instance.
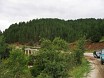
(80, 71)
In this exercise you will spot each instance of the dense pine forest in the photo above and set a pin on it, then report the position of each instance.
(69, 30)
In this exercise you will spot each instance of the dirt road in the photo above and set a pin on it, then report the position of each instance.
(97, 70)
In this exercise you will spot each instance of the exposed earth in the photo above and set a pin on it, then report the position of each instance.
(97, 70)
(90, 46)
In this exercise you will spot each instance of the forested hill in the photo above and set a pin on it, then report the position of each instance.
(70, 30)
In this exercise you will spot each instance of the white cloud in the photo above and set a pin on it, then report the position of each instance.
(12, 11)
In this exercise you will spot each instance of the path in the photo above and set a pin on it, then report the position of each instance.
(97, 69)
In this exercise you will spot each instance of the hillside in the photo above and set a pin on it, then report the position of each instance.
(70, 30)
(95, 46)
(90, 46)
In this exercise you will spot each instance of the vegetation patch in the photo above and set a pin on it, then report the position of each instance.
(81, 70)
(54, 60)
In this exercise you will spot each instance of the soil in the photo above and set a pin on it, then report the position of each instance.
(90, 46)
(97, 70)
(94, 46)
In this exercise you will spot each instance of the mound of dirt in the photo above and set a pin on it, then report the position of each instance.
(94, 46)
(90, 46)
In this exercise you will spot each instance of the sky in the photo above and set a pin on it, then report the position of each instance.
(14, 11)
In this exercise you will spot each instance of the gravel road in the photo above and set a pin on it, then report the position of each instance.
(97, 70)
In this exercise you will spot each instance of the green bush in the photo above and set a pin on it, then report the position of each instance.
(79, 51)
(3, 46)
(43, 75)
(15, 66)
(46, 44)
(57, 44)
(50, 60)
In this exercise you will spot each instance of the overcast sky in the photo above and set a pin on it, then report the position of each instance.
(12, 11)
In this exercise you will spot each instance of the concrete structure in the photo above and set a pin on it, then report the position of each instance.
(30, 51)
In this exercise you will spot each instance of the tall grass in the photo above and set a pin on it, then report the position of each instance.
(80, 71)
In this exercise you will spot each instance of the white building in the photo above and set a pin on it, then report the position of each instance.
(30, 51)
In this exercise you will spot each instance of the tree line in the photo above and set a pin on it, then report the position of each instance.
(70, 30)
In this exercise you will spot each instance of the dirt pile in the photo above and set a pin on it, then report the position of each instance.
(89, 46)
(94, 46)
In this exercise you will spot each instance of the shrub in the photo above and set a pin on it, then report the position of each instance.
(79, 51)
(15, 66)
(50, 60)
(60, 44)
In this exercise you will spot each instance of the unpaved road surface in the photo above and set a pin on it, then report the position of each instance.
(97, 70)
